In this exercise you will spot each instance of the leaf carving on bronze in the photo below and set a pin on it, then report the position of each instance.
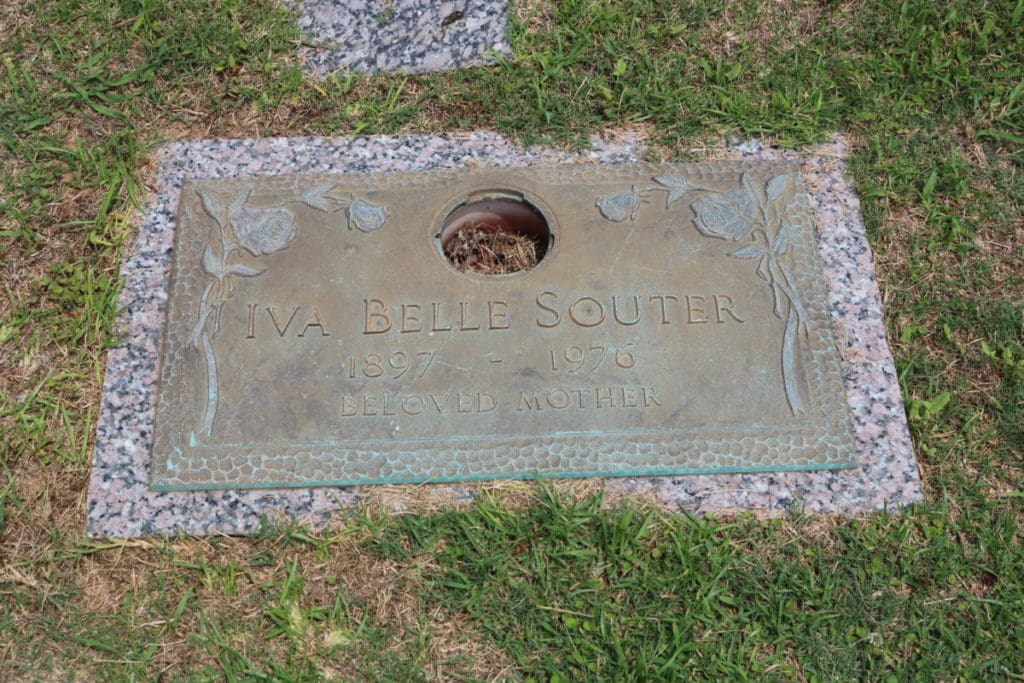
(678, 187)
(316, 197)
(212, 204)
(212, 263)
(620, 206)
(776, 186)
(749, 252)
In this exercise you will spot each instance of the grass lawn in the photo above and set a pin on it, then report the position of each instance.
(530, 583)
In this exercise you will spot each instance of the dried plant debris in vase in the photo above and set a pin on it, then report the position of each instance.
(480, 248)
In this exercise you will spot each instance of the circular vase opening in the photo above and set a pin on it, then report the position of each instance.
(495, 233)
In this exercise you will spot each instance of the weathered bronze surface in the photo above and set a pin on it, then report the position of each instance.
(317, 335)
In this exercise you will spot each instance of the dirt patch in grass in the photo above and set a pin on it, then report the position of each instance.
(14, 15)
(457, 653)
(536, 16)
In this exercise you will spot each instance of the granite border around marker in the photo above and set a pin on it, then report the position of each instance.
(121, 504)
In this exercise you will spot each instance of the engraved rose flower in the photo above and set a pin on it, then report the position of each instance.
(729, 215)
(263, 231)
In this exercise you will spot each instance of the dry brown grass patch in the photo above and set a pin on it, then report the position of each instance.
(379, 592)
(51, 500)
(779, 26)
(13, 15)
(536, 15)
(457, 654)
(508, 494)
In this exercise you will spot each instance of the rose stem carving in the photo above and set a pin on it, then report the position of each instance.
(748, 210)
(259, 231)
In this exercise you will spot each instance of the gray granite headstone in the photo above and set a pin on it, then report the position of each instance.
(412, 36)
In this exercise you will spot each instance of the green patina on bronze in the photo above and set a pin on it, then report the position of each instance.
(677, 323)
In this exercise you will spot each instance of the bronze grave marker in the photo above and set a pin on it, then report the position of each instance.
(676, 322)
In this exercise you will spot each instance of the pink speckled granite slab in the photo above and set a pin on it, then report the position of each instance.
(121, 503)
